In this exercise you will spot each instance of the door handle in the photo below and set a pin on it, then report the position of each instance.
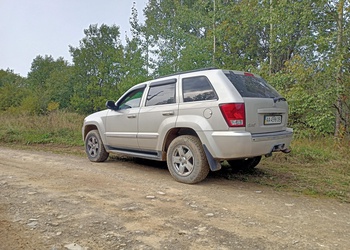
(131, 116)
(168, 113)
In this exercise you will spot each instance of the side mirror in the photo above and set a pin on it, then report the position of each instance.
(111, 105)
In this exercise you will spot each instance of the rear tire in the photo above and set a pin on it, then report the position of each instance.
(245, 164)
(186, 160)
(94, 147)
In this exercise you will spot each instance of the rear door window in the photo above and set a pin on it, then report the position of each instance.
(197, 88)
(251, 86)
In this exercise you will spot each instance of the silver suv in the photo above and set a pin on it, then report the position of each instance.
(194, 121)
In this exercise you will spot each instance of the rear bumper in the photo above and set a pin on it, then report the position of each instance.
(232, 144)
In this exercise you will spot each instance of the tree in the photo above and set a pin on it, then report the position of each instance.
(60, 84)
(325, 107)
(179, 34)
(135, 64)
(342, 103)
(241, 34)
(97, 68)
(49, 80)
(309, 96)
(12, 89)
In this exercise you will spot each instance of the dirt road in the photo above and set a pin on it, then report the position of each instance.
(51, 201)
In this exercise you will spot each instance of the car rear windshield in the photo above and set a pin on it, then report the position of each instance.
(251, 86)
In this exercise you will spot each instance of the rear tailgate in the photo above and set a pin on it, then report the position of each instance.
(265, 110)
(264, 115)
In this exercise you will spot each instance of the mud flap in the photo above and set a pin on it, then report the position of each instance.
(213, 164)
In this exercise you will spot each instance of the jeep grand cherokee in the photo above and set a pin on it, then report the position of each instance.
(193, 120)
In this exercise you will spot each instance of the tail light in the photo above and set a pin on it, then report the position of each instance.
(248, 74)
(234, 114)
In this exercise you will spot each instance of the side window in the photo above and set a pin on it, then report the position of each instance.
(131, 100)
(197, 88)
(161, 94)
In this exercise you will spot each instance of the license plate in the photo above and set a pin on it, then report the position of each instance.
(272, 119)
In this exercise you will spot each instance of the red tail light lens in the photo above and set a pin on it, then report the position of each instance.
(248, 74)
(234, 114)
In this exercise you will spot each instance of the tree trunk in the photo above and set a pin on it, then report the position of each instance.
(339, 74)
(271, 38)
(214, 37)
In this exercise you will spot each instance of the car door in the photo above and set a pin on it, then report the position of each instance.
(158, 114)
(122, 123)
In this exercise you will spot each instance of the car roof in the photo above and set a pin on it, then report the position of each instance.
(170, 76)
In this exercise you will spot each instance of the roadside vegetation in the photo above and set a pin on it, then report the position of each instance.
(60, 128)
(318, 166)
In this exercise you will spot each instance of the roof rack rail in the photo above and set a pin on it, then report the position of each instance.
(188, 71)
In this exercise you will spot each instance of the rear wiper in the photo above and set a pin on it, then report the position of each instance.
(278, 99)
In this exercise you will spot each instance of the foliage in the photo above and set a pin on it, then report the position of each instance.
(310, 97)
(179, 35)
(135, 62)
(12, 89)
(48, 81)
(103, 68)
(97, 67)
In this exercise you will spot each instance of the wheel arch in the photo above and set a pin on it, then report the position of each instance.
(175, 132)
(93, 126)
(172, 134)
(88, 128)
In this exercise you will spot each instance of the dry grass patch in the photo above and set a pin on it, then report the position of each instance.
(57, 127)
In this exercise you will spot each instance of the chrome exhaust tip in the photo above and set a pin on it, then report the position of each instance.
(286, 151)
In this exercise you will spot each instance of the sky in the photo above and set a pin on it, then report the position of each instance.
(29, 28)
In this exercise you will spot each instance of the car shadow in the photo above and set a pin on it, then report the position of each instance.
(226, 172)
(232, 173)
(139, 161)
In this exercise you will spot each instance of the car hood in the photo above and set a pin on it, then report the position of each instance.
(94, 116)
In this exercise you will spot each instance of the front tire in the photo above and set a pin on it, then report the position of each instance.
(94, 147)
(186, 160)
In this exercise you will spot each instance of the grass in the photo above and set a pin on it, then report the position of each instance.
(61, 128)
(319, 167)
